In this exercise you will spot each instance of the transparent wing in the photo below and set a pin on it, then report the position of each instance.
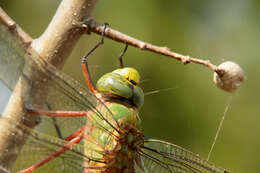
(39, 145)
(64, 94)
(11, 58)
(68, 94)
(163, 157)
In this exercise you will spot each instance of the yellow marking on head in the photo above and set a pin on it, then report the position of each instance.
(130, 74)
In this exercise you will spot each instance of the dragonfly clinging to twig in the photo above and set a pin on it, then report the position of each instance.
(101, 128)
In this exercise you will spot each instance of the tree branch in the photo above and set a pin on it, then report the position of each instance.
(54, 45)
(93, 26)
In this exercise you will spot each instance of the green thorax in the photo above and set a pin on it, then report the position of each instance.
(116, 115)
(122, 84)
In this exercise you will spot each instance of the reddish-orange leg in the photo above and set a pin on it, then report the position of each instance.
(58, 113)
(84, 63)
(77, 136)
(86, 74)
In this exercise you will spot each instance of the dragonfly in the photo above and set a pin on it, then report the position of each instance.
(95, 129)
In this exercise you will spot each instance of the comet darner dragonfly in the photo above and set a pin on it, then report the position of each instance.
(100, 131)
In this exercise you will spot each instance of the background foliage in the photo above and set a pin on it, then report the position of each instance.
(189, 113)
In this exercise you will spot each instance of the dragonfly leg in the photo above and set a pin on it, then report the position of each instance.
(75, 134)
(120, 58)
(55, 113)
(84, 63)
(74, 138)
(54, 120)
(51, 113)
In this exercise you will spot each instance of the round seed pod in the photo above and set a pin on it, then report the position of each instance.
(229, 76)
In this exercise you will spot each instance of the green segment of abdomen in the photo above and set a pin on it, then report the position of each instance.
(106, 143)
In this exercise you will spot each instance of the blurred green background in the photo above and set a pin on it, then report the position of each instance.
(189, 112)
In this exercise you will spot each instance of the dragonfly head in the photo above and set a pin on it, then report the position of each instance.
(122, 83)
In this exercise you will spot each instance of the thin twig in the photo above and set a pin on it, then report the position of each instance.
(93, 26)
(24, 39)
